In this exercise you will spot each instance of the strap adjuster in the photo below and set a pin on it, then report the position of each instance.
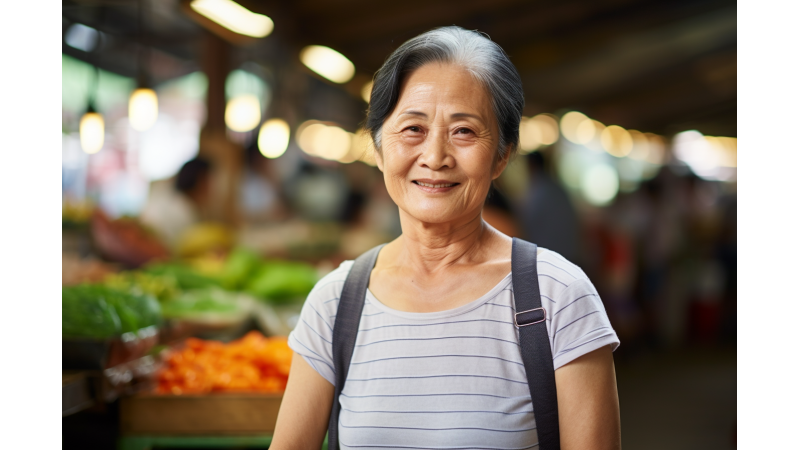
(530, 317)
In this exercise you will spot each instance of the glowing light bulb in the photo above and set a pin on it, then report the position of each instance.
(92, 131)
(530, 135)
(143, 109)
(360, 144)
(328, 62)
(616, 141)
(243, 113)
(234, 17)
(548, 128)
(332, 143)
(306, 136)
(273, 138)
(641, 145)
(570, 123)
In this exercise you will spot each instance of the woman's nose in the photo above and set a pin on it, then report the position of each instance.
(436, 152)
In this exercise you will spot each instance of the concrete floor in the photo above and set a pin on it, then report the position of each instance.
(680, 400)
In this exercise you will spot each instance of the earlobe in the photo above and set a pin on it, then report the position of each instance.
(378, 159)
(501, 164)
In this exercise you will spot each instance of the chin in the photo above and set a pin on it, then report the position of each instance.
(435, 215)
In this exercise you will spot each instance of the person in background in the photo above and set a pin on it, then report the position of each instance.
(497, 212)
(546, 214)
(261, 197)
(175, 204)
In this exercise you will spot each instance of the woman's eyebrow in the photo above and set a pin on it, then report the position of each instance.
(457, 115)
(412, 112)
(463, 114)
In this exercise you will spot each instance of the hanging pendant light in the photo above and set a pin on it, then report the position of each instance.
(143, 108)
(92, 131)
(92, 126)
(143, 103)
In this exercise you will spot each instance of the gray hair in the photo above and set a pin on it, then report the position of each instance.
(484, 59)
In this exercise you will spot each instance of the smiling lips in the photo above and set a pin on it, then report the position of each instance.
(434, 185)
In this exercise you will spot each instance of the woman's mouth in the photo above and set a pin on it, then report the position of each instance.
(435, 186)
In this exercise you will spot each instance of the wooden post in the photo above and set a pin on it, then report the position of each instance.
(225, 155)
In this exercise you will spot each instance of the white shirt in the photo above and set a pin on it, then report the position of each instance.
(451, 379)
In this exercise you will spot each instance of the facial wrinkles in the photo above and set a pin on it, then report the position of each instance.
(440, 102)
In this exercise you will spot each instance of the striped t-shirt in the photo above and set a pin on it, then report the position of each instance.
(450, 379)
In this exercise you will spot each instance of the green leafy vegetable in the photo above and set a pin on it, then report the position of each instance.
(239, 266)
(185, 277)
(97, 311)
(202, 302)
(282, 282)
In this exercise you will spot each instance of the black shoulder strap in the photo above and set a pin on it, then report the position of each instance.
(345, 329)
(530, 319)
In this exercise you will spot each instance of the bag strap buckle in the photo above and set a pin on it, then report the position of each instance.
(530, 317)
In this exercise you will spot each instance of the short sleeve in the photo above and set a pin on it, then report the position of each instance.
(579, 323)
(312, 338)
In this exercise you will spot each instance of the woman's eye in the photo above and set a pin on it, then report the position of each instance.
(463, 131)
(414, 129)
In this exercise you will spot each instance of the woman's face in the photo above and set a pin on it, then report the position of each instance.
(439, 145)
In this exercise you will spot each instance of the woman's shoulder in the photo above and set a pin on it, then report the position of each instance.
(557, 275)
(552, 264)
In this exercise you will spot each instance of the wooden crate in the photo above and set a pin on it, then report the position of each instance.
(212, 414)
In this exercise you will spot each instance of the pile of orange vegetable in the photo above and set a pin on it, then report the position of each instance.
(253, 363)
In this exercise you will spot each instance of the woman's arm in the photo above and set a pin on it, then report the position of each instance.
(305, 409)
(588, 404)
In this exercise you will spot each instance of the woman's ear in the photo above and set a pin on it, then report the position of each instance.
(378, 159)
(501, 163)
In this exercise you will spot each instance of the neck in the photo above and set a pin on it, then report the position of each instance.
(431, 248)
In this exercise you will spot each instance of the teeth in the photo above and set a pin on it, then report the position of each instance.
(435, 185)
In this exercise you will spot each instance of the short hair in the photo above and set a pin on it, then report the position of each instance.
(190, 174)
(475, 52)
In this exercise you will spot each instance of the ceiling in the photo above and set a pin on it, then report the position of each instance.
(660, 66)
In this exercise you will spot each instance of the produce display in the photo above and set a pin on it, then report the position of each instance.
(204, 237)
(125, 240)
(164, 288)
(182, 275)
(208, 305)
(209, 295)
(102, 312)
(282, 282)
(253, 363)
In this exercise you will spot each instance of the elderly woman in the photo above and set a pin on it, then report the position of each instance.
(437, 361)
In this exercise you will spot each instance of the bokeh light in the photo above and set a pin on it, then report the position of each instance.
(243, 113)
(328, 63)
(82, 37)
(586, 131)
(616, 141)
(548, 128)
(641, 145)
(569, 125)
(92, 130)
(234, 17)
(273, 138)
(324, 141)
(143, 109)
(656, 148)
(530, 135)
(600, 184)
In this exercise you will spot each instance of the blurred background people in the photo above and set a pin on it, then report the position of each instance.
(546, 214)
(174, 205)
